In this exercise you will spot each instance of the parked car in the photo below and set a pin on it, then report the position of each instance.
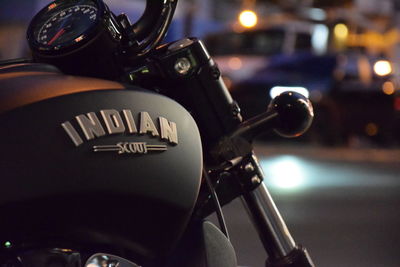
(351, 95)
(364, 94)
(260, 63)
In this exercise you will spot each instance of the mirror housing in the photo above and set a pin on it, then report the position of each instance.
(295, 114)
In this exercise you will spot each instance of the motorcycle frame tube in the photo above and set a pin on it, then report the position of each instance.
(267, 220)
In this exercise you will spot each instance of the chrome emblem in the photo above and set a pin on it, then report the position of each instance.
(130, 148)
(110, 122)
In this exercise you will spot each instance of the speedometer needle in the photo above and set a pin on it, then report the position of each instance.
(56, 36)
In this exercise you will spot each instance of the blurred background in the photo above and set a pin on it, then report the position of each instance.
(338, 186)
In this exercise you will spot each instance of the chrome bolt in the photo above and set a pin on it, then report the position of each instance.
(183, 66)
(249, 167)
(255, 180)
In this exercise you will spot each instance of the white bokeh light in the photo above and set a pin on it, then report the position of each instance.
(277, 90)
(285, 172)
(383, 68)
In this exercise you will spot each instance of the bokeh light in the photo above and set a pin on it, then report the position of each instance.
(383, 68)
(341, 31)
(235, 63)
(371, 129)
(286, 172)
(248, 18)
(388, 88)
(277, 90)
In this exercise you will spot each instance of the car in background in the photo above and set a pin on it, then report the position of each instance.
(352, 91)
(260, 63)
(364, 94)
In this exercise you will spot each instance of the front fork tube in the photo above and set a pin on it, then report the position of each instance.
(274, 234)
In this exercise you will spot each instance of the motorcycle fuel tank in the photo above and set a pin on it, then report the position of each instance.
(88, 162)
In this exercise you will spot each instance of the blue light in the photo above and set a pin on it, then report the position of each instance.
(319, 39)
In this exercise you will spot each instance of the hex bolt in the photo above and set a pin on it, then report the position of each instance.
(255, 180)
(235, 108)
(215, 72)
(249, 167)
(183, 66)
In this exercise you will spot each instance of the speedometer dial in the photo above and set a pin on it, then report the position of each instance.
(67, 25)
(63, 23)
(80, 37)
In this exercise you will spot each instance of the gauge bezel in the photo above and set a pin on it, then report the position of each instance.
(88, 35)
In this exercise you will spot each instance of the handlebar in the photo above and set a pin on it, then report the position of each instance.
(152, 26)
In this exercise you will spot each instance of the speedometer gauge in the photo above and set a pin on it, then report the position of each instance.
(66, 26)
(78, 36)
(62, 24)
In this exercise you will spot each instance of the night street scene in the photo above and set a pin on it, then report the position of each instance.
(278, 121)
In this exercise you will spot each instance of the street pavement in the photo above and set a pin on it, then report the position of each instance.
(342, 204)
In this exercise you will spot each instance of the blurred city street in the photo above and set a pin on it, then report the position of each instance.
(341, 204)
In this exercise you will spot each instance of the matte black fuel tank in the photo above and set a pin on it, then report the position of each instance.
(86, 161)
